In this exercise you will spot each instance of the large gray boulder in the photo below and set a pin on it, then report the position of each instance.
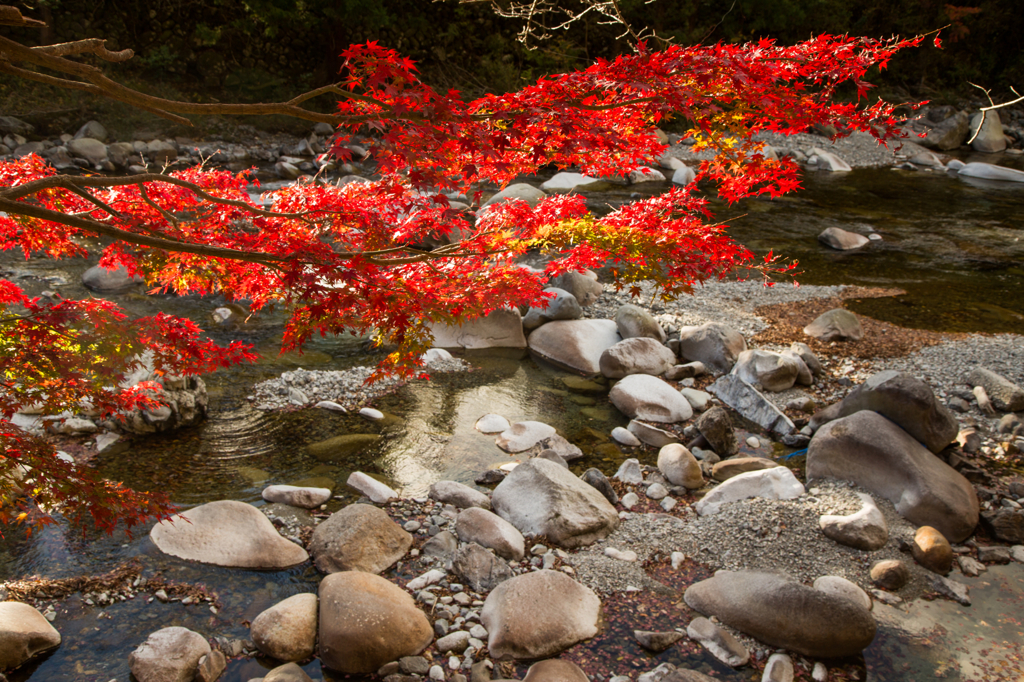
(575, 345)
(93, 151)
(226, 533)
(168, 655)
(948, 134)
(782, 612)
(903, 399)
(366, 621)
(537, 615)
(775, 372)
(521, 191)
(539, 497)
(635, 322)
(503, 328)
(24, 633)
(104, 281)
(563, 306)
(878, 455)
(359, 537)
(990, 137)
(287, 630)
(715, 345)
(637, 355)
(1004, 394)
(584, 288)
(642, 396)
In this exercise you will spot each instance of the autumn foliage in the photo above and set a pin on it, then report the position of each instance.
(355, 258)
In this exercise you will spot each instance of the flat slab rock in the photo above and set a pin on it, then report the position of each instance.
(226, 533)
(745, 399)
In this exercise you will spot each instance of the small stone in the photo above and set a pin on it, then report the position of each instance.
(819, 673)
(778, 669)
(629, 472)
(970, 566)
(657, 491)
(371, 414)
(436, 672)
(994, 555)
(890, 574)
(677, 560)
(624, 437)
(620, 555)
(931, 549)
(668, 504)
(630, 500)
(753, 442)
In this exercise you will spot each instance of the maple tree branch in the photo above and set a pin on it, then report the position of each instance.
(984, 110)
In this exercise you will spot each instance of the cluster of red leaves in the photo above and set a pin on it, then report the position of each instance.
(364, 257)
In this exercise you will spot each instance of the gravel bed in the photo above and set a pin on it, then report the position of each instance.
(714, 301)
(754, 534)
(301, 388)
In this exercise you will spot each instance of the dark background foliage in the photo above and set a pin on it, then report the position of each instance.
(265, 49)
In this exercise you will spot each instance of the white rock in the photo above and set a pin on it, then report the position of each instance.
(778, 669)
(330, 405)
(754, 442)
(677, 560)
(564, 183)
(1017, 552)
(629, 500)
(820, 672)
(105, 440)
(371, 487)
(698, 399)
(777, 483)
(624, 437)
(297, 496)
(829, 161)
(620, 555)
(988, 171)
(683, 176)
(646, 175)
(629, 472)
(523, 436)
(429, 578)
(436, 356)
(645, 397)
(492, 423)
(371, 414)
(668, 504)
(657, 491)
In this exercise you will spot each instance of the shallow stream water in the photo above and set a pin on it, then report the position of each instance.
(954, 247)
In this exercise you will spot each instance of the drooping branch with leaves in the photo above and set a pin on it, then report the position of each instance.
(355, 258)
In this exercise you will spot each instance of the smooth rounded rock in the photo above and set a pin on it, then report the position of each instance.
(491, 531)
(366, 621)
(555, 670)
(680, 467)
(641, 396)
(782, 612)
(841, 587)
(635, 322)
(168, 655)
(715, 345)
(359, 537)
(777, 483)
(871, 451)
(904, 400)
(522, 436)
(932, 550)
(287, 630)
(306, 498)
(563, 306)
(368, 485)
(104, 281)
(458, 494)
(575, 345)
(539, 614)
(890, 574)
(640, 355)
(24, 633)
(226, 533)
(624, 437)
(491, 423)
(842, 240)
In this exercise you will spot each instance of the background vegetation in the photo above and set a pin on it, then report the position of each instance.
(248, 50)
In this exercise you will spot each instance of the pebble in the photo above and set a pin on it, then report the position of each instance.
(629, 500)
(627, 555)
(371, 414)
